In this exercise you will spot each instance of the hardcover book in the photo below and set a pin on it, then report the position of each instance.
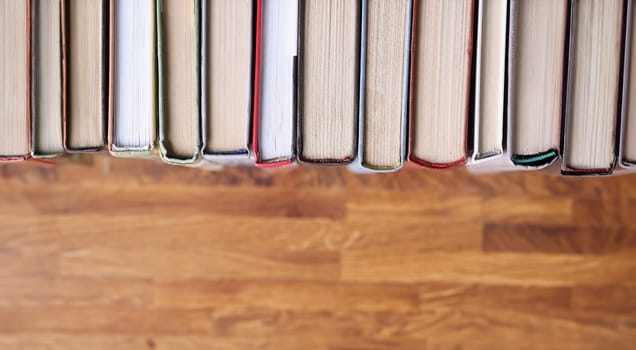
(85, 73)
(627, 152)
(178, 50)
(594, 87)
(329, 81)
(227, 76)
(275, 83)
(15, 70)
(489, 89)
(47, 134)
(440, 82)
(384, 85)
(133, 78)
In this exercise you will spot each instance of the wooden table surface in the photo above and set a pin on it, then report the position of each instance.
(122, 254)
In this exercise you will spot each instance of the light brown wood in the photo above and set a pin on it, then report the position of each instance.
(125, 254)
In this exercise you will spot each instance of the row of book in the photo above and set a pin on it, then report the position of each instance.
(494, 84)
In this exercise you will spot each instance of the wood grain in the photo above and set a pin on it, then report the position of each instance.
(103, 253)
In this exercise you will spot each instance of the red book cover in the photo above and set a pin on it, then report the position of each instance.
(469, 51)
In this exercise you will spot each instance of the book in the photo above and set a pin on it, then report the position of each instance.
(226, 67)
(329, 81)
(384, 84)
(594, 80)
(537, 70)
(47, 135)
(15, 72)
(132, 84)
(440, 82)
(497, 85)
(178, 45)
(85, 104)
(275, 83)
(628, 140)
(489, 140)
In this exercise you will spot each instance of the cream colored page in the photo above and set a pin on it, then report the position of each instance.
(537, 94)
(47, 78)
(179, 73)
(13, 75)
(279, 47)
(442, 63)
(330, 80)
(85, 114)
(492, 69)
(384, 82)
(228, 68)
(629, 143)
(594, 84)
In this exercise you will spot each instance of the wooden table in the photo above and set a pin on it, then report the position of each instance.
(121, 254)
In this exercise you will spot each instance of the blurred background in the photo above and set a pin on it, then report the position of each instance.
(103, 253)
